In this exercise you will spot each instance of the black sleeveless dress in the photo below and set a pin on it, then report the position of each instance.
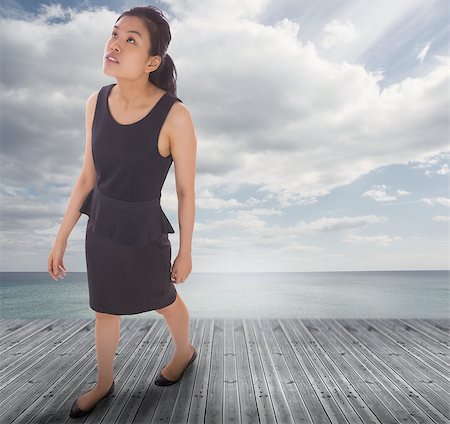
(128, 251)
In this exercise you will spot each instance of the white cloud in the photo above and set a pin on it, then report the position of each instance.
(286, 139)
(217, 10)
(278, 124)
(291, 139)
(205, 199)
(338, 224)
(289, 27)
(379, 193)
(433, 165)
(381, 240)
(423, 52)
(441, 218)
(442, 201)
(337, 32)
(443, 170)
(374, 25)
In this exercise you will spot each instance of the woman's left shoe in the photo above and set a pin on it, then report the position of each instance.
(76, 412)
(163, 381)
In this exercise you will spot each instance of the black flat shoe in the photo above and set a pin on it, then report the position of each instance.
(163, 381)
(76, 412)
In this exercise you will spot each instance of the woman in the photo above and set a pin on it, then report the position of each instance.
(135, 129)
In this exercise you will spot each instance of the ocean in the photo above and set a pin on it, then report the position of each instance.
(361, 294)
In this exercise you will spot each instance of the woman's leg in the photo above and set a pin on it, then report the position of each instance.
(177, 319)
(107, 335)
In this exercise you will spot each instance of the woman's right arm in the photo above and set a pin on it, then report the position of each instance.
(81, 189)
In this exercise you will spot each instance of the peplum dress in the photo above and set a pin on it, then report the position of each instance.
(127, 247)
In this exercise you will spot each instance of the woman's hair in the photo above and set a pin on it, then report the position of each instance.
(166, 75)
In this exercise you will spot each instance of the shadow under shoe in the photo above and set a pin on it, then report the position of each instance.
(76, 412)
(163, 381)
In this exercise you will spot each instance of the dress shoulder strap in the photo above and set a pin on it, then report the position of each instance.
(100, 105)
(161, 113)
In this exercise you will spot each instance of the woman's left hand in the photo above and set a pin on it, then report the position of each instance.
(182, 266)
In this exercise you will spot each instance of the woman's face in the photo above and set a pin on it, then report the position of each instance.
(129, 44)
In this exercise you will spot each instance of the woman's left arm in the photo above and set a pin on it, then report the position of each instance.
(183, 148)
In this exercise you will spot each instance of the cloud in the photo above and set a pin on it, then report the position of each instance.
(293, 124)
(441, 218)
(423, 52)
(380, 240)
(433, 165)
(379, 193)
(294, 141)
(278, 123)
(443, 170)
(207, 200)
(339, 33)
(328, 225)
(442, 201)
(217, 10)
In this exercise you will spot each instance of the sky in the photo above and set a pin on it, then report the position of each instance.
(322, 130)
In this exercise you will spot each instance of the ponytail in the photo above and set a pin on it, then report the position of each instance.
(165, 76)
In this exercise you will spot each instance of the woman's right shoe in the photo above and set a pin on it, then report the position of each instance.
(77, 412)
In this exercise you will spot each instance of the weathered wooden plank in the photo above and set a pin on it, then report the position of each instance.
(298, 410)
(342, 371)
(248, 371)
(334, 401)
(22, 333)
(31, 360)
(247, 395)
(436, 332)
(441, 344)
(263, 399)
(279, 400)
(231, 407)
(442, 324)
(343, 374)
(400, 380)
(373, 384)
(302, 372)
(8, 326)
(214, 394)
(423, 359)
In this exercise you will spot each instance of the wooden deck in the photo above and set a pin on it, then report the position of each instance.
(248, 371)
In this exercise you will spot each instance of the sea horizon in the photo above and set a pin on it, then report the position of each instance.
(306, 294)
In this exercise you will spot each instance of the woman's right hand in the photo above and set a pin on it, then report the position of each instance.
(56, 266)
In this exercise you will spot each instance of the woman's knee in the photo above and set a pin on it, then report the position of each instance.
(169, 308)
